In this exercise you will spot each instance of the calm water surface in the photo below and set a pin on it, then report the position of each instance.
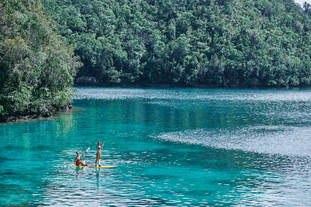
(173, 147)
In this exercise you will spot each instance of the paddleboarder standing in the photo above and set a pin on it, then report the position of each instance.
(98, 153)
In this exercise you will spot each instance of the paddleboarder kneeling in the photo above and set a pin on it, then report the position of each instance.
(77, 160)
(98, 154)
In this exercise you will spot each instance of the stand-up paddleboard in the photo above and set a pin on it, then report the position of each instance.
(101, 167)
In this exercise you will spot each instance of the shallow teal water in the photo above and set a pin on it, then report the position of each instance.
(173, 147)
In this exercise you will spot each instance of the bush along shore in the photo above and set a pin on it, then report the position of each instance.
(91, 81)
(43, 112)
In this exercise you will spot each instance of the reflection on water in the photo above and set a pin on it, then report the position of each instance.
(269, 139)
(172, 147)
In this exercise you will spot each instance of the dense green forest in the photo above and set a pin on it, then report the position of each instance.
(184, 42)
(188, 42)
(37, 66)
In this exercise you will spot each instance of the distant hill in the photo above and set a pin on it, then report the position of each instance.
(188, 42)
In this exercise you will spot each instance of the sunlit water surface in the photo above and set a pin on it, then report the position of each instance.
(172, 147)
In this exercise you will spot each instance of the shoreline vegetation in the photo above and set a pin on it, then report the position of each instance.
(37, 66)
(180, 85)
(91, 81)
(44, 112)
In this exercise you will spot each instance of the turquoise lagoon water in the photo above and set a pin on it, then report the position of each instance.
(173, 147)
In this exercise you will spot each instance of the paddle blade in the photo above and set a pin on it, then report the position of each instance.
(87, 149)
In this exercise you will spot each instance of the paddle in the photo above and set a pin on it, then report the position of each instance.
(85, 151)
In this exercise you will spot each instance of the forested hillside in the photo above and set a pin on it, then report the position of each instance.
(37, 66)
(213, 42)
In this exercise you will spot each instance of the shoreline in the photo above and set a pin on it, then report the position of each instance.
(48, 112)
(180, 86)
(45, 112)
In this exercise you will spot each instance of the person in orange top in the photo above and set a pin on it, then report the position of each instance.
(77, 160)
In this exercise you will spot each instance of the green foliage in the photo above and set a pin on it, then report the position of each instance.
(211, 42)
(36, 65)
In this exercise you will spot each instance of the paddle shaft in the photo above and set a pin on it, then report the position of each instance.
(85, 151)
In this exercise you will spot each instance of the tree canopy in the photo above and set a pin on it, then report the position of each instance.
(37, 66)
(190, 42)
